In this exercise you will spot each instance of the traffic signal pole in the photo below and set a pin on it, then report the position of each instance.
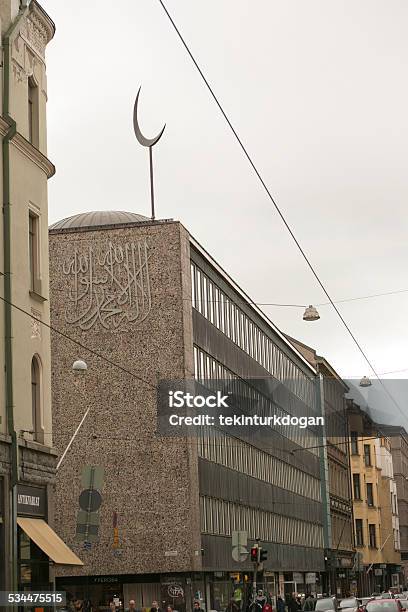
(258, 555)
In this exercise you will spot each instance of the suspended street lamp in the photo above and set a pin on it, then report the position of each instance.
(365, 382)
(311, 314)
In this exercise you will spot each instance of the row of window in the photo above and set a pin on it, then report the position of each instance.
(372, 535)
(355, 449)
(357, 490)
(206, 368)
(242, 457)
(218, 308)
(221, 517)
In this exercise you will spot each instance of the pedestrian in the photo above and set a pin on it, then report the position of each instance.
(293, 604)
(197, 607)
(260, 599)
(309, 603)
(232, 606)
(155, 607)
(280, 605)
(132, 606)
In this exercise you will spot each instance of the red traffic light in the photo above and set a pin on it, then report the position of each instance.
(254, 554)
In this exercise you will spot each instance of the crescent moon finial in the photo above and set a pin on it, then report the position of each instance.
(145, 142)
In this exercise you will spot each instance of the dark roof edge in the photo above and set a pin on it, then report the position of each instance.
(92, 228)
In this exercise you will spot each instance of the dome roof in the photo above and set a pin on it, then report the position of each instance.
(97, 219)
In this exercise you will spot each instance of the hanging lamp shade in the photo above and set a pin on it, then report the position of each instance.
(365, 382)
(311, 314)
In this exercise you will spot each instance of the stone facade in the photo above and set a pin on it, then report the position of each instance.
(23, 182)
(120, 292)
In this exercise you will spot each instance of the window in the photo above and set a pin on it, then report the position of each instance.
(356, 486)
(359, 533)
(354, 443)
(33, 117)
(36, 400)
(33, 252)
(367, 455)
(372, 536)
(370, 495)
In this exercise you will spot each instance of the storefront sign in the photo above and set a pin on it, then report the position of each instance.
(298, 577)
(175, 590)
(31, 501)
(310, 578)
(104, 579)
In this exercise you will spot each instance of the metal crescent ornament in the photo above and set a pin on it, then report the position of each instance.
(145, 142)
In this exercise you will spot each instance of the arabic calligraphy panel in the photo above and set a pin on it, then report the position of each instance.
(109, 286)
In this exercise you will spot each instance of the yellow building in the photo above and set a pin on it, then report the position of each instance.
(375, 506)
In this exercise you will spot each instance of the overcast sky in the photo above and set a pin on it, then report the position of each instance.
(318, 92)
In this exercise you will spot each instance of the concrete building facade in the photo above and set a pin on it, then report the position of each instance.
(140, 302)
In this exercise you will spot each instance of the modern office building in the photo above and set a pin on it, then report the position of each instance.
(340, 576)
(375, 504)
(141, 301)
(28, 545)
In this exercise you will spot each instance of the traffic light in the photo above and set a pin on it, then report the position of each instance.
(263, 555)
(255, 554)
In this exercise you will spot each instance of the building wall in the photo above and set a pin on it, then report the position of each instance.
(382, 559)
(390, 540)
(150, 482)
(399, 450)
(247, 483)
(29, 171)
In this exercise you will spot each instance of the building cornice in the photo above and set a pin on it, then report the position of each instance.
(42, 16)
(31, 152)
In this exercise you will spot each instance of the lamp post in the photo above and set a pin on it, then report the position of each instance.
(80, 369)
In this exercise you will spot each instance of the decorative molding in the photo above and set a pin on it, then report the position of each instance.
(19, 73)
(29, 150)
(35, 324)
(37, 29)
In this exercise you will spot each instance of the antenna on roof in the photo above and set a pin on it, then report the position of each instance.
(146, 142)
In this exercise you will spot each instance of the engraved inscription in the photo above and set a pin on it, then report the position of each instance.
(109, 286)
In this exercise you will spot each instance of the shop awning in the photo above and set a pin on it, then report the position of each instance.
(46, 539)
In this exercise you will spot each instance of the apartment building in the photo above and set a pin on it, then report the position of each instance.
(29, 546)
(375, 503)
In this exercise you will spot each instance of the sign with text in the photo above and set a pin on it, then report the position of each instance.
(31, 501)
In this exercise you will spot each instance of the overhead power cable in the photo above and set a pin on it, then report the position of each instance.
(80, 344)
(274, 203)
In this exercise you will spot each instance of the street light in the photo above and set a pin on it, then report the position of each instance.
(311, 314)
(79, 368)
(365, 382)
